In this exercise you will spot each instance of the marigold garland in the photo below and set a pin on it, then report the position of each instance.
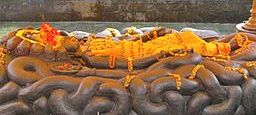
(251, 64)
(127, 80)
(169, 43)
(130, 64)
(194, 71)
(239, 70)
(177, 80)
(3, 53)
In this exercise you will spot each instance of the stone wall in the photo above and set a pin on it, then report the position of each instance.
(223, 11)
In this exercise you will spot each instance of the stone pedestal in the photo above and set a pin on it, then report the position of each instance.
(250, 25)
(240, 28)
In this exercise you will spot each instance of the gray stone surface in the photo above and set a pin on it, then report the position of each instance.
(95, 27)
(228, 11)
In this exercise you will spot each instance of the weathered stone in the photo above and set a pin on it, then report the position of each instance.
(126, 10)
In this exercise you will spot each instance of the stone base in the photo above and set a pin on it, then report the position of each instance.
(161, 84)
(240, 28)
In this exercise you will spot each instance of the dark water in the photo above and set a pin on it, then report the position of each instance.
(94, 27)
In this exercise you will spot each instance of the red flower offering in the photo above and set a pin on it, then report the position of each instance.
(49, 33)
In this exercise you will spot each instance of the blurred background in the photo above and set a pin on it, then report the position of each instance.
(96, 15)
(221, 11)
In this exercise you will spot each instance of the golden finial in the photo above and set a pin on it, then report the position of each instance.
(250, 25)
